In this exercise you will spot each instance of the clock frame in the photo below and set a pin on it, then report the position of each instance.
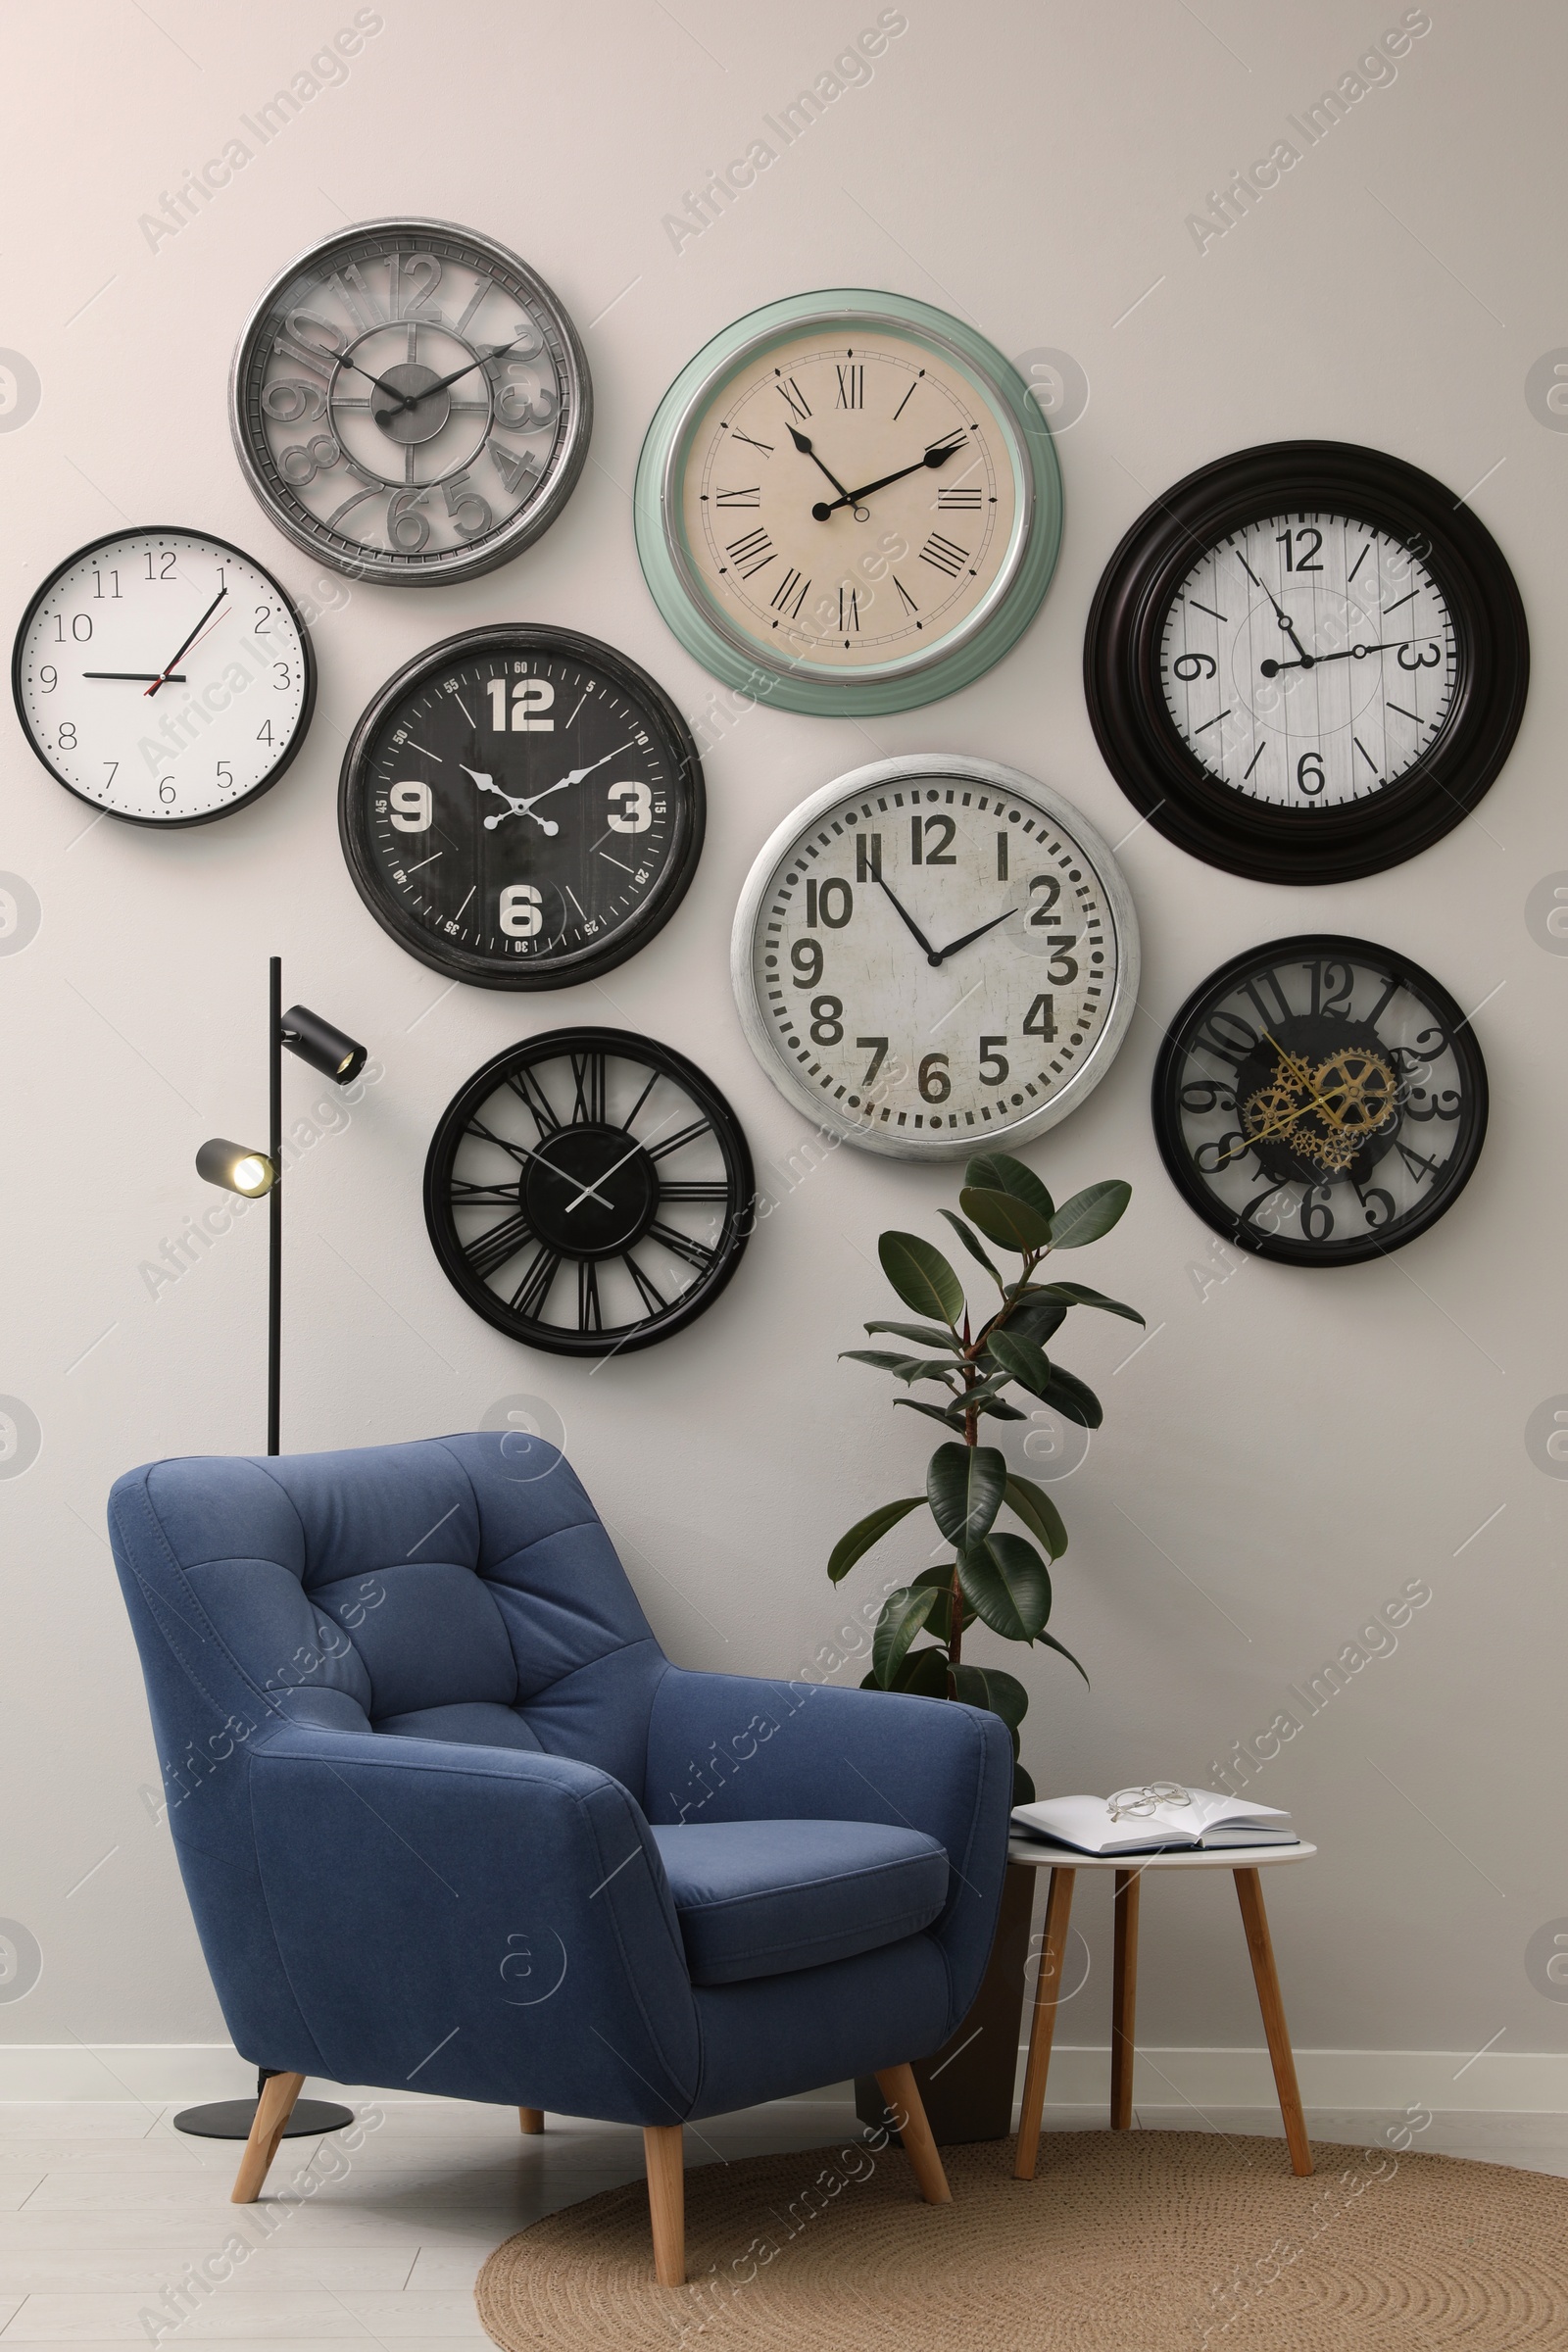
(1331, 1071)
(758, 655)
(1312, 836)
(532, 870)
(989, 825)
(594, 1149)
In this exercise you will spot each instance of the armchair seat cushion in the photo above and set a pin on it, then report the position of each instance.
(760, 1898)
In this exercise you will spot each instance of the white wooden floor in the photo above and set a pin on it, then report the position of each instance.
(104, 2207)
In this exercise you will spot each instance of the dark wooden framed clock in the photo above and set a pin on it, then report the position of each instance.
(1306, 662)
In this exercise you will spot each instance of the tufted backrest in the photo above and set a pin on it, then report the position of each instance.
(458, 1589)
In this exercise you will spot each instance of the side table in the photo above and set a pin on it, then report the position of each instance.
(1063, 1864)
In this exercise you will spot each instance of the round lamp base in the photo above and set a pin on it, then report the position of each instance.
(231, 2119)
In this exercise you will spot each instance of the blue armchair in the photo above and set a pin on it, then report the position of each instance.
(448, 1818)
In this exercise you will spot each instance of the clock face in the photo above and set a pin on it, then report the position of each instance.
(164, 676)
(1309, 660)
(1306, 662)
(589, 1192)
(852, 495)
(521, 808)
(1320, 1101)
(410, 403)
(935, 951)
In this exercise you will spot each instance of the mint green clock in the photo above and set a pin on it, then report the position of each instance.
(848, 502)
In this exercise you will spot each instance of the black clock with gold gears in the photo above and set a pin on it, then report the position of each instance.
(1320, 1101)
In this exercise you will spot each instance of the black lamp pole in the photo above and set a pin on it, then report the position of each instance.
(274, 1205)
(236, 1169)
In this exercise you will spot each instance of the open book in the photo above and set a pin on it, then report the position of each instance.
(1155, 1818)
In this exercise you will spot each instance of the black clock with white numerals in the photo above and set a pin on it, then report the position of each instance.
(1306, 662)
(521, 808)
(589, 1192)
(1320, 1101)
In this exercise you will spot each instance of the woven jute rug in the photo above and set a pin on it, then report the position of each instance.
(1141, 2241)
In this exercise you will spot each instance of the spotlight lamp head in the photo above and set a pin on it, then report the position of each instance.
(325, 1047)
(235, 1168)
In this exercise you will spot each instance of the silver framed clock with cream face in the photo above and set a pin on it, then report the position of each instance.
(848, 502)
(935, 952)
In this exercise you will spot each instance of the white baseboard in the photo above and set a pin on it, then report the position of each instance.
(1381, 2081)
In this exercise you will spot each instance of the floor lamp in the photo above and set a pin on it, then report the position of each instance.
(240, 1168)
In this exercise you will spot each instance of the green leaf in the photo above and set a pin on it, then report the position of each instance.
(922, 1276)
(924, 1335)
(1023, 1788)
(1089, 1213)
(1006, 1584)
(964, 1486)
(951, 1417)
(1012, 1224)
(903, 1615)
(1038, 1512)
(924, 1673)
(1022, 1359)
(907, 1368)
(1000, 1172)
(1072, 1399)
(1050, 1642)
(996, 1408)
(971, 1242)
(989, 1687)
(866, 1532)
(1035, 1316)
(1078, 1293)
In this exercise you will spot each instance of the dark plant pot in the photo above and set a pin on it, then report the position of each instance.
(967, 2085)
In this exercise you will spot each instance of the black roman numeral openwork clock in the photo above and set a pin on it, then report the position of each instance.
(1306, 662)
(848, 502)
(521, 808)
(588, 1191)
(1320, 1101)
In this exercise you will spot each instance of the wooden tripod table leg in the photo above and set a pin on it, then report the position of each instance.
(1254, 1919)
(1043, 2025)
(273, 2111)
(531, 2119)
(1124, 2000)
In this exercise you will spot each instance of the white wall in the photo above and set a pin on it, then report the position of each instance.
(1291, 1446)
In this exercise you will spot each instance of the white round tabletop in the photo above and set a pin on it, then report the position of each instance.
(1037, 1855)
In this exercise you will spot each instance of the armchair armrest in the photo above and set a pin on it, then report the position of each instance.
(484, 1923)
(735, 1748)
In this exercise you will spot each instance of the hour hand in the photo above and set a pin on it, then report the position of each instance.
(513, 806)
(971, 936)
(913, 927)
(807, 450)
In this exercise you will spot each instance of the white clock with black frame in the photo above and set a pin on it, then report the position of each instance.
(935, 949)
(163, 677)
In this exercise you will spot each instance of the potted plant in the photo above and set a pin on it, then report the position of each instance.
(995, 1577)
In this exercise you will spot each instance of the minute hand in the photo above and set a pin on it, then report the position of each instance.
(1351, 652)
(937, 455)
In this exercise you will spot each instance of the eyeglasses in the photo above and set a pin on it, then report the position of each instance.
(1137, 1804)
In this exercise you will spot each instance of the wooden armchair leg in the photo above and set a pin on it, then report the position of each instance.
(898, 2088)
(665, 2153)
(531, 2119)
(273, 2111)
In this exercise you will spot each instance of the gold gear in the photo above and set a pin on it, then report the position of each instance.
(1274, 1112)
(1358, 1090)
